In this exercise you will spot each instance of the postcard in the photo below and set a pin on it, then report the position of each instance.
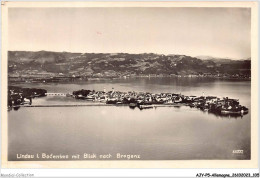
(129, 85)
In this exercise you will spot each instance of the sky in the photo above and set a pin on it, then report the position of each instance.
(218, 32)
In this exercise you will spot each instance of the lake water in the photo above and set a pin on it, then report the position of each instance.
(163, 133)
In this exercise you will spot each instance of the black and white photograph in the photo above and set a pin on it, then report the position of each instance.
(133, 83)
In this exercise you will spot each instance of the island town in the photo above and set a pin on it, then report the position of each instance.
(18, 96)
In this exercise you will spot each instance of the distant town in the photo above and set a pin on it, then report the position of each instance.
(58, 79)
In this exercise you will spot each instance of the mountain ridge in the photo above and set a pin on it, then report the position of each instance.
(119, 64)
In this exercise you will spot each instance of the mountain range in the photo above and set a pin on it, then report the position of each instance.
(87, 64)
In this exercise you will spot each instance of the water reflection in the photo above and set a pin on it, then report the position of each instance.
(221, 115)
(232, 115)
(155, 134)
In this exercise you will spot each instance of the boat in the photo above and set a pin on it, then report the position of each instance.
(79, 96)
(90, 98)
(227, 111)
(145, 106)
(234, 110)
(132, 105)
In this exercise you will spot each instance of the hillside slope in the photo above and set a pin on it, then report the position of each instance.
(89, 64)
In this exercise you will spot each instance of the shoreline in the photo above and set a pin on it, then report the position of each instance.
(121, 78)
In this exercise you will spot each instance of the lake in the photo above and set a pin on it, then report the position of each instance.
(163, 133)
